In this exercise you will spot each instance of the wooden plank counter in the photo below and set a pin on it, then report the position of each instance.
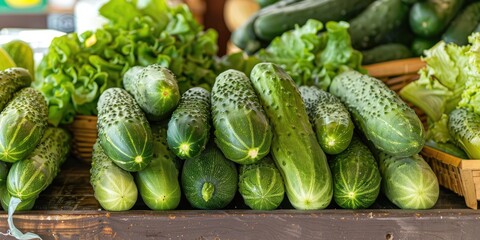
(68, 210)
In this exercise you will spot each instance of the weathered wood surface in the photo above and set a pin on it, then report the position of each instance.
(68, 210)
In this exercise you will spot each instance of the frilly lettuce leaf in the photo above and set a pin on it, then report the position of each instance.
(438, 131)
(471, 95)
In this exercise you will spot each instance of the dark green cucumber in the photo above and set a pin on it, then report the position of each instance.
(3, 173)
(430, 18)
(419, 45)
(210, 180)
(22, 124)
(154, 88)
(408, 182)
(277, 21)
(113, 187)
(295, 149)
(447, 147)
(356, 178)
(28, 177)
(242, 130)
(330, 119)
(123, 130)
(158, 183)
(261, 185)
(385, 52)
(372, 25)
(189, 127)
(464, 126)
(24, 205)
(244, 36)
(380, 113)
(463, 25)
(12, 80)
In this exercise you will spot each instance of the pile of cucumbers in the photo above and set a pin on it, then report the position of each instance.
(31, 152)
(259, 136)
(382, 29)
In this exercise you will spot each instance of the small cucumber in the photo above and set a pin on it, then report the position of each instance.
(24, 205)
(385, 52)
(22, 124)
(12, 80)
(380, 113)
(28, 177)
(261, 185)
(113, 187)
(330, 119)
(154, 88)
(464, 126)
(158, 183)
(430, 18)
(123, 130)
(463, 25)
(242, 130)
(210, 180)
(447, 147)
(356, 178)
(419, 45)
(189, 127)
(380, 18)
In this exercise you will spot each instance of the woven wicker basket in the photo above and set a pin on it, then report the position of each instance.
(458, 175)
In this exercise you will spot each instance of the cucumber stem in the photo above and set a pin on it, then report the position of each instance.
(207, 191)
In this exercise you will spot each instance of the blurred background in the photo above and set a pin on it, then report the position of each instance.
(79, 15)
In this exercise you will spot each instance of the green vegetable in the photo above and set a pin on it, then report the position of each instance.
(447, 147)
(311, 59)
(308, 182)
(22, 124)
(5, 60)
(28, 177)
(385, 52)
(470, 97)
(385, 119)
(123, 130)
(419, 45)
(408, 182)
(154, 88)
(372, 25)
(463, 25)
(12, 80)
(209, 181)
(5, 198)
(264, 3)
(22, 54)
(275, 22)
(78, 67)
(189, 127)
(3, 173)
(356, 178)
(158, 183)
(330, 119)
(261, 185)
(438, 131)
(431, 17)
(441, 83)
(464, 126)
(242, 130)
(114, 188)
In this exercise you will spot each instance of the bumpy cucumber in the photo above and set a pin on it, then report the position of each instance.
(464, 126)
(12, 80)
(242, 130)
(27, 178)
(189, 127)
(154, 88)
(22, 124)
(308, 182)
(380, 113)
(261, 185)
(123, 130)
(114, 188)
(330, 118)
(158, 183)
